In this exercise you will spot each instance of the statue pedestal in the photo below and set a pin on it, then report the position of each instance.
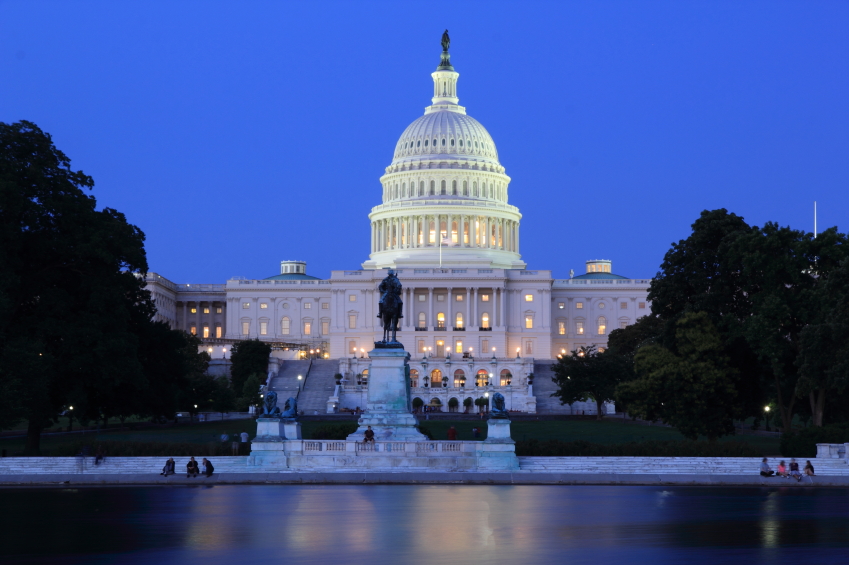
(499, 450)
(388, 399)
(269, 429)
(292, 429)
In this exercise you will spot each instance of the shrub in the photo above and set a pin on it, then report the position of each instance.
(672, 448)
(426, 431)
(803, 443)
(334, 431)
(453, 402)
(114, 448)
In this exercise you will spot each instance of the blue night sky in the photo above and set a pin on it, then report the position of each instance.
(238, 134)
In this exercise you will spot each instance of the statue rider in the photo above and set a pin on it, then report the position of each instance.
(390, 285)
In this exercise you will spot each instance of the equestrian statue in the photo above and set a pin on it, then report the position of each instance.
(390, 308)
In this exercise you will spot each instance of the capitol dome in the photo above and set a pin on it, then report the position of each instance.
(445, 192)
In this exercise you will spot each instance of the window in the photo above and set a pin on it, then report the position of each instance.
(561, 305)
(484, 298)
(602, 325)
(529, 298)
(623, 305)
(218, 332)
(601, 350)
(206, 331)
(458, 322)
(246, 328)
(642, 305)
(440, 348)
(307, 305)
(422, 320)
(458, 347)
(485, 320)
(246, 305)
(484, 346)
(352, 298)
(352, 347)
(529, 322)
(307, 328)
(325, 327)
(284, 326)
(422, 298)
(193, 310)
(263, 306)
(440, 298)
(458, 298)
(579, 328)
(325, 305)
(482, 377)
(440, 320)
(194, 330)
(414, 378)
(263, 328)
(579, 305)
(506, 377)
(601, 305)
(561, 328)
(219, 310)
(352, 321)
(529, 348)
(459, 378)
(206, 310)
(421, 346)
(623, 324)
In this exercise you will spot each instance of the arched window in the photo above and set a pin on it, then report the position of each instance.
(421, 188)
(433, 187)
(442, 187)
(458, 322)
(474, 188)
(602, 325)
(465, 188)
(443, 142)
(481, 378)
(459, 378)
(422, 320)
(506, 377)
(452, 142)
(454, 187)
(419, 143)
(425, 142)
(461, 143)
(485, 320)
(440, 320)
(365, 376)
(436, 378)
(404, 190)
(414, 378)
(285, 325)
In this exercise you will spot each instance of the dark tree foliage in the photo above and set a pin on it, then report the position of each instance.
(587, 374)
(251, 393)
(249, 357)
(626, 341)
(224, 398)
(71, 303)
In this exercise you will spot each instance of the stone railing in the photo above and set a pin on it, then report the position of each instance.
(833, 451)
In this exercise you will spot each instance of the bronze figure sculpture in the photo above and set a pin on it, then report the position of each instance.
(390, 307)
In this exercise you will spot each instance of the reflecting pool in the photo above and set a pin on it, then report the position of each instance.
(424, 524)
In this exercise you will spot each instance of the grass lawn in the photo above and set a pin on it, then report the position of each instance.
(608, 431)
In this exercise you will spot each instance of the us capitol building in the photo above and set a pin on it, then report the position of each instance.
(475, 317)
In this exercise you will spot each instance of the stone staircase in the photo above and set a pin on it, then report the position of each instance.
(544, 386)
(670, 465)
(285, 384)
(319, 386)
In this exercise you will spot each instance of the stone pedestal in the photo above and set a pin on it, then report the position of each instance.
(498, 451)
(292, 429)
(388, 399)
(269, 429)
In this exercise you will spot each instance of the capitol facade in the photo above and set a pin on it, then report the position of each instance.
(475, 316)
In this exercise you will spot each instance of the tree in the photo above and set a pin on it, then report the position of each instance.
(249, 357)
(453, 403)
(224, 397)
(71, 300)
(482, 403)
(251, 391)
(691, 388)
(587, 374)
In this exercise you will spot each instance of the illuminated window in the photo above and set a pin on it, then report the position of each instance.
(561, 305)
(422, 320)
(440, 320)
(421, 346)
(485, 320)
(422, 298)
(484, 298)
(325, 328)
(193, 310)
(307, 328)
(484, 346)
(506, 377)
(325, 305)
(529, 322)
(263, 306)
(285, 325)
(219, 310)
(352, 347)
(601, 350)
(459, 378)
(482, 377)
(579, 328)
(579, 305)
(352, 298)
(458, 322)
(206, 331)
(642, 305)
(246, 305)
(458, 298)
(352, 321)
(206, 310)
(263, 328)
(414, 378)
(602, 325)
(194, 330)
(561, 328)
(623, 305)
(458, 347)
(529, 298)
(246, 328)
(218, 331)
(307, 305)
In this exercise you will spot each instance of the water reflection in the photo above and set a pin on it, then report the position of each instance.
(422, 524)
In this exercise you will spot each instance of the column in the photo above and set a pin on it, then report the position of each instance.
(449, 313)
(501, 308)
(468, 314)
(185, 316)
(473, 307)
(461, 229)
(430, 320)
(211, 319)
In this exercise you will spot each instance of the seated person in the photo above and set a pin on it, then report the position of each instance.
(782, 470)
(368, 435)
(794, 470)
(169, 468)
(809, 470)
(207, 467)
(192, 468)
(765, 470)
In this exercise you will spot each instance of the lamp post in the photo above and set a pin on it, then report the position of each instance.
(486, 395)
(362, 353)
(299, 382)
(70, 418)
(518, 349)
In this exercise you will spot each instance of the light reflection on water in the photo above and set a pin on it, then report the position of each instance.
(414, 524)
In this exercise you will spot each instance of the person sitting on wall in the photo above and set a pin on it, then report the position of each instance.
(809, 470)
(368, 435)
(192, 468)
(765, 470)
(207, 467)
(794, 470)
(169, 468)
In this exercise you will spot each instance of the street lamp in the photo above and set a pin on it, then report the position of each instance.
(518, 349)
(766, 408)
(490, 381)
(299, 382)
(362, 353)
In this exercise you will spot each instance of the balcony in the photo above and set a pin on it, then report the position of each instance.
(485, 329)
(420, 329)
(440, 329)
(459, 329)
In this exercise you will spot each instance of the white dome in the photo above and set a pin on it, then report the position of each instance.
(445, 134)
